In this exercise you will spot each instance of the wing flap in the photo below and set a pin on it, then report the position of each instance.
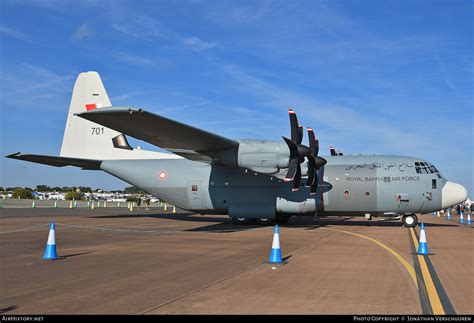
(181, 139)
(58, 161)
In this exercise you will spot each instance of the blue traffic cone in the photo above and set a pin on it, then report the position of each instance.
(449, 214)
(423, 245)
(275, 255)
(461, 217)
(468, 218)
(50, 252)
(434, 213)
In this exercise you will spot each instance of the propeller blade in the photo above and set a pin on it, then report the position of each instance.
(295, 132)
(297, 179)
(314, 186)
(320, 162)
(313, 142)
(292, 146)
(340, 153)
(292, 170)
(333, 151)
(311, 171)
(300, 134)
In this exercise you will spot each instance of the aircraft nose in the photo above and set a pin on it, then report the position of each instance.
(452, 194)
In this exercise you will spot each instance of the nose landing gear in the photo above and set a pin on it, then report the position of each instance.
(410, 220)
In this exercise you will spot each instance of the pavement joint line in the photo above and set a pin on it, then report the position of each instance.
(200, 289)
(438, 297)
(409, 268)
(226, 278)
(118, 230)
(25, 229)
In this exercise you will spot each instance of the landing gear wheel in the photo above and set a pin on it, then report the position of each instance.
(283, 219)
(410, 220)
(240, 220)
(264, 221)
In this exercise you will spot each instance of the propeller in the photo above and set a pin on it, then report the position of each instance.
(299, 152)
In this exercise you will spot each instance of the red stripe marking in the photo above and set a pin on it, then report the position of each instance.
(92, 106)
(291, 111)
(286, 180)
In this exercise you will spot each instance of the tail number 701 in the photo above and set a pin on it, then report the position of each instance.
(97, 130)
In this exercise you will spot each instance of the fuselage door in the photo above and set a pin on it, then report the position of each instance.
(195, 195)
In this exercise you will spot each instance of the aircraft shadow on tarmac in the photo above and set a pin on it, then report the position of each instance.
(223, 224)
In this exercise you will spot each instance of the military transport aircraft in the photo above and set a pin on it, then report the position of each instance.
(247, 179)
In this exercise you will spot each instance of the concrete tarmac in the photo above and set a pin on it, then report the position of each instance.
(155, 262)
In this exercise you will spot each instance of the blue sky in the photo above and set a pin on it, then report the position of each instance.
(385, 77)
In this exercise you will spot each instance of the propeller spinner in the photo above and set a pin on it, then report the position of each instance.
(299, 152)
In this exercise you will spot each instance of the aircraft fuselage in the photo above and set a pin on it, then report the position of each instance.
(375, 185)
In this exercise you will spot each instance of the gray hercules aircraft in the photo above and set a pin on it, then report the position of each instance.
(247, 179)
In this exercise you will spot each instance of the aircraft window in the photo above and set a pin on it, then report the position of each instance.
(433, 184)
(425, 168)
(194, 188)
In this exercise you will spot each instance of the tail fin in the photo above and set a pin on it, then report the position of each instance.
(86, 139)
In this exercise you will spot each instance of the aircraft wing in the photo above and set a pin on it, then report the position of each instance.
(181, 139)
(58, 161)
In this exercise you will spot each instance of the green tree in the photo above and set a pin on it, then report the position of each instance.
(23, 193)
(133, 190)
(73, 196)
(43, 188)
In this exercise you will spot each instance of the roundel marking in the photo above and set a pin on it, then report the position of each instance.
(162, 175)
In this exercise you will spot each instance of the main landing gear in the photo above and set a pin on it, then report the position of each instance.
(410, 220)
(281, 219)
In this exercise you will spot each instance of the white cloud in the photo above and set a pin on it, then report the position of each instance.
(140, 26)
(197, 44)
(9, 32)
(33, 86)
(134, 59)
(82, 32)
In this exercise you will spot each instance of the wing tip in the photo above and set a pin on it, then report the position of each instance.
(13, 155)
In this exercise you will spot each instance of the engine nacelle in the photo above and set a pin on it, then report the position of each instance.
(263, 155)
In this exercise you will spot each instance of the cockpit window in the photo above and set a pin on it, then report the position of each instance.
(426, 168)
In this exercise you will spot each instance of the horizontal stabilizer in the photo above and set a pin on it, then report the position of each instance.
(179, 138)
(58, 161)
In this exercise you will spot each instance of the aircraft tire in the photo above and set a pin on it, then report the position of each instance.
(410, 220)
(264, 221)
(240, 221)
